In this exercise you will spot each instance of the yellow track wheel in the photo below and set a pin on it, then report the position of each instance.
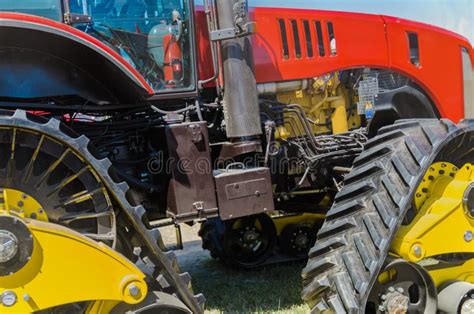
(23, 205)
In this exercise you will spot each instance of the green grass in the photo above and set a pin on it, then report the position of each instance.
(271, 289)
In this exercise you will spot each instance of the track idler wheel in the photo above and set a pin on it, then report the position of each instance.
(457, 297)
(249, 241)
(297, 239)
(403, 287)
(42, 178)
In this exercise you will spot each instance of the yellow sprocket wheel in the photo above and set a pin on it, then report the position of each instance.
(48, 165)
(22, 205)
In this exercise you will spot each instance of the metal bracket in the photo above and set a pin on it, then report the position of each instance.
(74, 18)
(198, 206)
(230, 33)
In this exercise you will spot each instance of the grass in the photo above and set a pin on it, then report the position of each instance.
(271, 289)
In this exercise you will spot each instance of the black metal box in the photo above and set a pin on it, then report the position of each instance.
(243, 192)
(191, 191)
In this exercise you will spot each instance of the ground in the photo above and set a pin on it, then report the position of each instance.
(271, 289)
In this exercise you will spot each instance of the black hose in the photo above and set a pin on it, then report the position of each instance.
(136, 183)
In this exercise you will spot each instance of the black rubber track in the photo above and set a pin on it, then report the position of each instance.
(355, 238)
(212, 237)
(165, 264)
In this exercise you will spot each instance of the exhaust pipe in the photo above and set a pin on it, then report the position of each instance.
(241, 109)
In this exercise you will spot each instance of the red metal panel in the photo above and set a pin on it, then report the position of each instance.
(204, 58)
(440, 69)
(79, 36)
(362, 40)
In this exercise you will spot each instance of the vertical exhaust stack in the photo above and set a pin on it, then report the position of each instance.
(241, 109)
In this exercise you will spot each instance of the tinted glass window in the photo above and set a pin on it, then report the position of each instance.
(153, 36)
(50, 9)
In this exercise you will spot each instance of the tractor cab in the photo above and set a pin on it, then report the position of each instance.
(153, 36)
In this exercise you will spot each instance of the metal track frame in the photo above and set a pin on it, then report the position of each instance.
(359, 228)
(164, 263)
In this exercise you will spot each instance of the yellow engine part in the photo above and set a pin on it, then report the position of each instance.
(326, 103)
(442, 224)
(66, 267)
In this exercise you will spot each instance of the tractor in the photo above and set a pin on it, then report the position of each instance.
(286, 133)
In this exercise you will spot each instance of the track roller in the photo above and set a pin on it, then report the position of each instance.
(457, 297)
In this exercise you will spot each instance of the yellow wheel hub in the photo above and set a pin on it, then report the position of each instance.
(443, 224)
(21, 204)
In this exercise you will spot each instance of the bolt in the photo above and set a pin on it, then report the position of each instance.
(133, 290)
(468, 236)
(400, 290)
(391, 289)
(20, 204)
(381, 308)
(417, 251)
(26, 297)
(8, 298)
(398, 304)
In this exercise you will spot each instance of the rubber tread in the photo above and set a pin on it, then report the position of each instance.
(135, 214)
(401, 154)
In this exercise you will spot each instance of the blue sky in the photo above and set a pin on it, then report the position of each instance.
(455, 15)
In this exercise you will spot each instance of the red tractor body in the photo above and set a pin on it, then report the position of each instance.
(362, 40)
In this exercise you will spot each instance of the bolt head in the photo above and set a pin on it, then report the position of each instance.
(468, 236)
(26, 297)
(8, 298)
(417, 251)
(133, 290)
